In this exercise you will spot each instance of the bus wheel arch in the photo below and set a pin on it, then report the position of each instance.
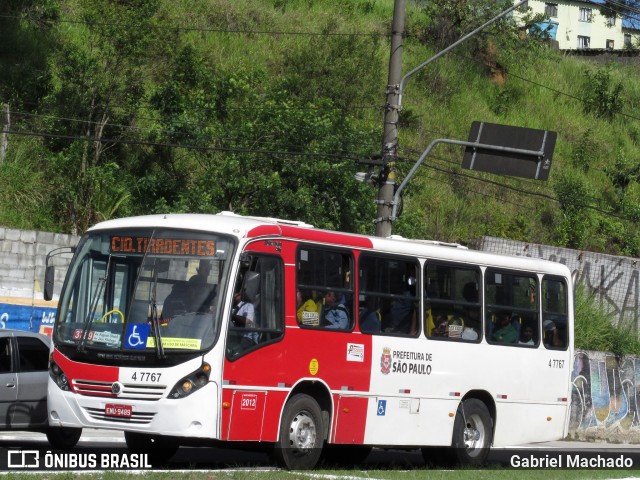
(319, 391)
(473, 428)
(301, 432)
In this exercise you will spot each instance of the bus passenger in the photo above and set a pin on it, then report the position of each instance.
(176, 302)
(472, 312)
(242, 313)
(505, 332)
(201, 293)
(551, 335)
(450, 326)
(526, 336)
(370, 317)
(401, 316)
(335, 314)
(308, 312)
(202, 273)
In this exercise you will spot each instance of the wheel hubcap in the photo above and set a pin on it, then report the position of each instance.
(302, 434)
(474, 435)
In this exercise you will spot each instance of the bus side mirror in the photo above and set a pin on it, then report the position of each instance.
(49, 276)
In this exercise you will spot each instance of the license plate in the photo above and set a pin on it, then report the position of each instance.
(112, 410)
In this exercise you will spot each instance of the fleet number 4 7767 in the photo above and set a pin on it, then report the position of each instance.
(146, 376)
(555, 363)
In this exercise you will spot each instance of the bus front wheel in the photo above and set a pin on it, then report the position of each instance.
(63, 438)
(472, 433)
(301, 434)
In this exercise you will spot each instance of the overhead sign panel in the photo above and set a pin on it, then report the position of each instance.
(513, 151)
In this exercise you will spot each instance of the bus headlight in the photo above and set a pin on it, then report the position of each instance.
(58, 376)
(192, 382)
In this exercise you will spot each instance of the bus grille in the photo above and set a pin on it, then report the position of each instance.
(139, 418)
(129, 392)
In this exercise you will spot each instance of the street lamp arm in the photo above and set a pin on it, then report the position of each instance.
(476, 145)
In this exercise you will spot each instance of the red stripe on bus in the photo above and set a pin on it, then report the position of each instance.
(85, 371)
(311, 234)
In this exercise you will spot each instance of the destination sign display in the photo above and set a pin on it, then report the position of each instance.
(163, 246)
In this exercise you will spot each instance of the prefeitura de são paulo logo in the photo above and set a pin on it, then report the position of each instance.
(385, 361)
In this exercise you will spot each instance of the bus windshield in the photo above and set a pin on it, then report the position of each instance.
(148, 289)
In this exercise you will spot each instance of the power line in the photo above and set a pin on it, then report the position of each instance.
(338, 156)
(151, 130)
(206, 30)
(519, 189)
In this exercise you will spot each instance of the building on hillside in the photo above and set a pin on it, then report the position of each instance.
(581, 25)
(631, 32)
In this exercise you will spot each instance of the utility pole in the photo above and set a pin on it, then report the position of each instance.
(6, 126)
(387, 198)
(387, 178)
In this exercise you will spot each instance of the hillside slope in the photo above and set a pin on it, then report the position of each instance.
(266, 107)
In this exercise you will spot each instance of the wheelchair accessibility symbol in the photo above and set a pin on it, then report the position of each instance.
(382, 408)
(136, 336)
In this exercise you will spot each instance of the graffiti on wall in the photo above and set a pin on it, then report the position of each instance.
(605, 394)
(614, 280)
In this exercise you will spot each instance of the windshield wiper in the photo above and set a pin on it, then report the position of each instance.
(155, 321)
(152, 298)
(88, 321)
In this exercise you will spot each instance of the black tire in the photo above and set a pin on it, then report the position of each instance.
(472, 433)
(301, 435)
(158, 449)
(63, 438)
(345, 455)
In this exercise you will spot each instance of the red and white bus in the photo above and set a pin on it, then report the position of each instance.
(258, 331)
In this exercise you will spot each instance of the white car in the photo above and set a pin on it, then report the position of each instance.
(24, 372)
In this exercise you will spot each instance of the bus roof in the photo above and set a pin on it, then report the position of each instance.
(249, 227)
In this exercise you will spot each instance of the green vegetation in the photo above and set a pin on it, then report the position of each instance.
(595, 329)
(265, 107)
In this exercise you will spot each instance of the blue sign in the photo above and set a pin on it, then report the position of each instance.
(382, 408)
(26, 317)
(136, 336)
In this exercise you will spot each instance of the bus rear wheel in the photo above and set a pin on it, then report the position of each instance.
(301, 434)
(472, 433)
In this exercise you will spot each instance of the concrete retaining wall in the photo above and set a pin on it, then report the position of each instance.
(615, 280)
(22, 265)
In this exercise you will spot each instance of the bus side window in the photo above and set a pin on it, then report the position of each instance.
(387, 301)
(452, 302)
(324, 289)
(554, 313)
(257, 316)
(512, 314)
